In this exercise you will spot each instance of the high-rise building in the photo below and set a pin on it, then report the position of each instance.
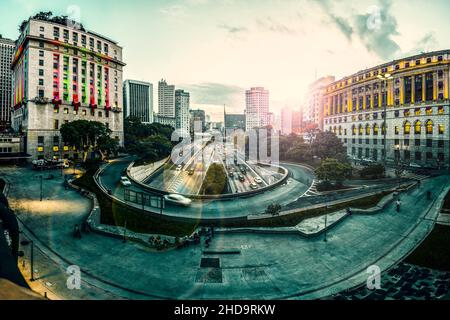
(313, 112)
(6, 57)
(402, 118)
(235, 121)
(257, 108)
(286, 121)
(166, 104)
(63, 73)
(198, 117)
(182, 106)
(138, 100)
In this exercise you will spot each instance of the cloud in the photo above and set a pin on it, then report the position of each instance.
(232, 29)
(215, 93)
(374, 29)
(425, 44)
(174, 11)
(269, 24)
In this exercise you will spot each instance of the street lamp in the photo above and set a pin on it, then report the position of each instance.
(385, 78)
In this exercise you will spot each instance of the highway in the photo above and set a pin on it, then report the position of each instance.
(214, 209)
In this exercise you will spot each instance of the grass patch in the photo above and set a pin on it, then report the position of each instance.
(115, 214)
(434, 251)
(295, 218)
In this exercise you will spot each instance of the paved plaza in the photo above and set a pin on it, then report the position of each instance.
(262, 267)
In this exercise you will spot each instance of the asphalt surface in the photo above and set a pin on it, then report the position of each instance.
(301, 180)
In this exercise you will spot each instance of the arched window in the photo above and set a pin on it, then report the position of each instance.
(407, 127)
(361, 130)
(429, 126)
(367, 129)
(418, 127)
(375, 129)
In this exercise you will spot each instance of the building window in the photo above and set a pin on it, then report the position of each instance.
(375, 129)
(418, 156)
(407, 127)
(418, 127)
(429, 126)
(41, 63)
(397, 130)
(440, 143)
(429, 155)
(441, 129)
(40, 139)
(429, 143)
(417, 142)
(56, 124)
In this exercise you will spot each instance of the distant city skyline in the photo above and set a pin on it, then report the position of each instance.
(244, 44)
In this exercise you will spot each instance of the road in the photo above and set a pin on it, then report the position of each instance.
(213, 209)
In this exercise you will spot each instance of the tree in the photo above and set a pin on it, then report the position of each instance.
(334, 170)
(150, 142)
(89, 136)
(215, 182)
(327, 145)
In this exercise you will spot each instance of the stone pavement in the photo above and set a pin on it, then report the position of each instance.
(403, 282)
(266, 267)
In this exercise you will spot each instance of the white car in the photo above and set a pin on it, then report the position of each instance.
(258, 180)
(178, 200)
(125, 182)
(179, 168)
(254, 186)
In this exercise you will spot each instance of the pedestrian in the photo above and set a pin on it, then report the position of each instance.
(399, 203)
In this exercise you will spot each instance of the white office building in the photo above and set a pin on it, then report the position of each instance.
(257, 113)
(138, 100)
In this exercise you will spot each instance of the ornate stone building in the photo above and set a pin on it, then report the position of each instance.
(63, 73)
(414, 91)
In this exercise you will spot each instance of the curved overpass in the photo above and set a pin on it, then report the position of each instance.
(299, 182)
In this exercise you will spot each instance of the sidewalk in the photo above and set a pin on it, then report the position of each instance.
(268, 266)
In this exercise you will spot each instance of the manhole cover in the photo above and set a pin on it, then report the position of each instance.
(210, 263)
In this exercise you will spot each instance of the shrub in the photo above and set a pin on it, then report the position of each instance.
(372, 171)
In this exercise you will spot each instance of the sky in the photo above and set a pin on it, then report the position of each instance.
(217, 49)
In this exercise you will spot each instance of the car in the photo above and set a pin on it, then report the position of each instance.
(179, 168)
(191, 172)
(258, 180)
(125, 182)
(178, 200)
(241, 178)
(231, 174)
(253, 186)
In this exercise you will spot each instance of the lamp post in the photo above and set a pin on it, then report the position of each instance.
(32, 260)
(385, 78)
